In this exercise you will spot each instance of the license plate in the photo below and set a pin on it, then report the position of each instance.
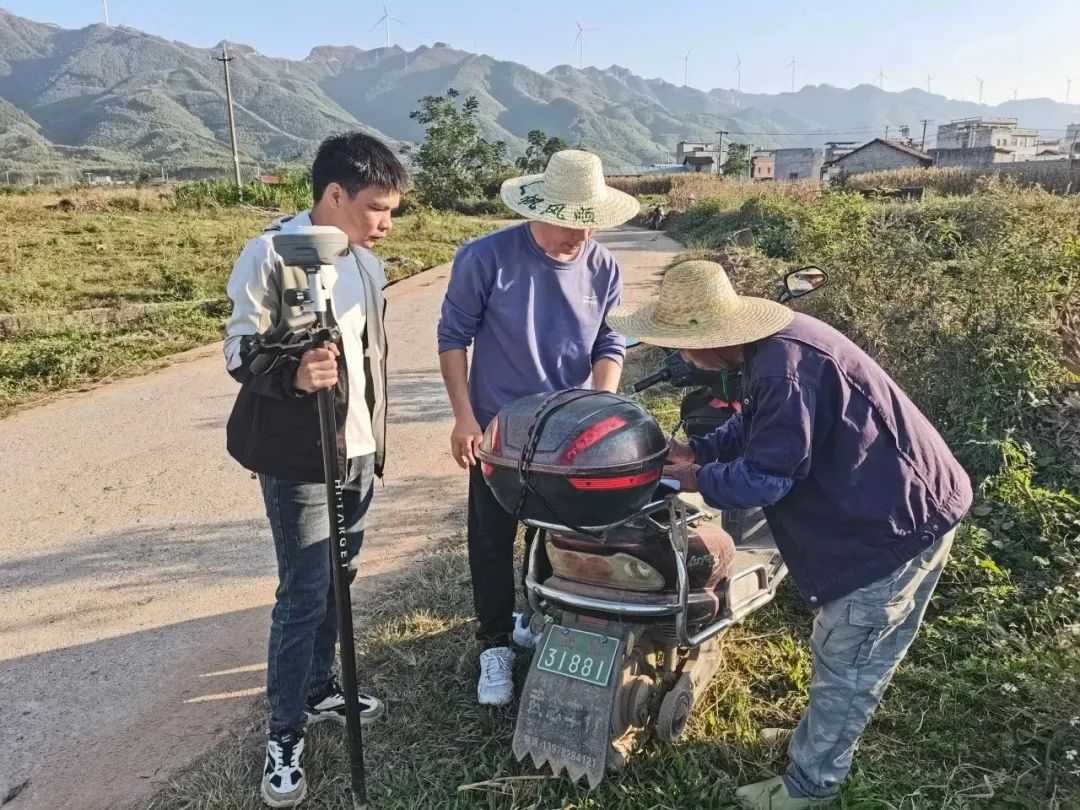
(579, 655)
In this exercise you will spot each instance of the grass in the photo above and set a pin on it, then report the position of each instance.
(81, 249)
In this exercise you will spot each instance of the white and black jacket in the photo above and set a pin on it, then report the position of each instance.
(273, 428)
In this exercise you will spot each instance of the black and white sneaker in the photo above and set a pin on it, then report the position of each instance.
(329, 704)
(283, 783)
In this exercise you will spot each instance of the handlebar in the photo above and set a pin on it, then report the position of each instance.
(663, 375)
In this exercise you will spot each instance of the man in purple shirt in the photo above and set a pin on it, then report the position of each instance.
(531, 301)
(859, 490)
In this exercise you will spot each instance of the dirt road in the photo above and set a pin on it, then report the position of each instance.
(136, 567)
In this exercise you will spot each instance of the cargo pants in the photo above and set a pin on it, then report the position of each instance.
(857, 643)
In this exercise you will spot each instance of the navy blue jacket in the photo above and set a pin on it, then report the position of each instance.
(855, 481)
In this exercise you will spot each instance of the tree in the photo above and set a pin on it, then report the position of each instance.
(738, 160)
(454, 163)
(539, 151)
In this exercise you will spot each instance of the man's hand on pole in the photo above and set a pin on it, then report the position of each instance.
(318, 369)
(465, 441)
(685, 474)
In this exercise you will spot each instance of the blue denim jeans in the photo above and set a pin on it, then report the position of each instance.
(303, 627)
(858, 642)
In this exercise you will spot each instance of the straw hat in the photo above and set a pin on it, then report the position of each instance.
(571, 192)
(699, 309)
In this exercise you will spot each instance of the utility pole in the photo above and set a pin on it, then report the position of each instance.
(225, 59)
(720, 150)
(925, 121)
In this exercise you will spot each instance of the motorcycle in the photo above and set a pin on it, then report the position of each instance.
(633, 609)
(657, 217)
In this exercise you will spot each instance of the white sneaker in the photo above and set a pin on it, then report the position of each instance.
(496, 686)
(523, 636)
(283, 783)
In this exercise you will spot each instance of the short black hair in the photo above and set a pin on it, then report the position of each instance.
(356, 161)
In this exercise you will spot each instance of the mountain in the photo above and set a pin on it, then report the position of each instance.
(116, 98)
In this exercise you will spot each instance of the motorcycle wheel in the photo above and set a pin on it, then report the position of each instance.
(674, 711)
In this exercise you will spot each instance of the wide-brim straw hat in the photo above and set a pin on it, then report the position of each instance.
(699, 309)
(571, 192)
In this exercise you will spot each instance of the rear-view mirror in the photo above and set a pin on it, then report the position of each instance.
(804, 280)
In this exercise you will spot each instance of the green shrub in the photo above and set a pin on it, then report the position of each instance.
(969, 303)
(293, 193)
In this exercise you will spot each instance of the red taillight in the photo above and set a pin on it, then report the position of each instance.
(591, 436)
(622, 482)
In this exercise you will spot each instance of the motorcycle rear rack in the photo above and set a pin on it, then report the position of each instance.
(678, 535)
(689, 514)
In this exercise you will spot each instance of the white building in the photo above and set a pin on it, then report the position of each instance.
(693, 154)
(1002, 135)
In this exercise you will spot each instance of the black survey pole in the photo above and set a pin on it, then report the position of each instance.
(339, 557)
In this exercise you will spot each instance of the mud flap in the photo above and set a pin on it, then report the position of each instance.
(566, 723)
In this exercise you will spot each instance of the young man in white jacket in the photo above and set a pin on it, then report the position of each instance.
(274, 431)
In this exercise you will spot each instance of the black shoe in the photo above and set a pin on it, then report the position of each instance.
(283, 782)
(329, 704)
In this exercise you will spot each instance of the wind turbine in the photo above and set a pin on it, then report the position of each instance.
(386, 19)
(791, 65)
(106, 4)
(929, 79)
(1016, 92)
(686, 68)
(738, 72)
(881, 77)
(579, 42)
(1068, 88)
(980, 81)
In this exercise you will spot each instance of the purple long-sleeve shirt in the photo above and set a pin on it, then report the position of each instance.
(535, 324)
(854, 479)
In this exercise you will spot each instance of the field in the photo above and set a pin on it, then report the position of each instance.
(102, 283)
(969, 302)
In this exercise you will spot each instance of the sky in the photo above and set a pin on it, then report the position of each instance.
(842, 43)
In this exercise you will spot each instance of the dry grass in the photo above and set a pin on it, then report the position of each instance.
(684, 190)
(642, 185)
(1055, 176)
(729, 195)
